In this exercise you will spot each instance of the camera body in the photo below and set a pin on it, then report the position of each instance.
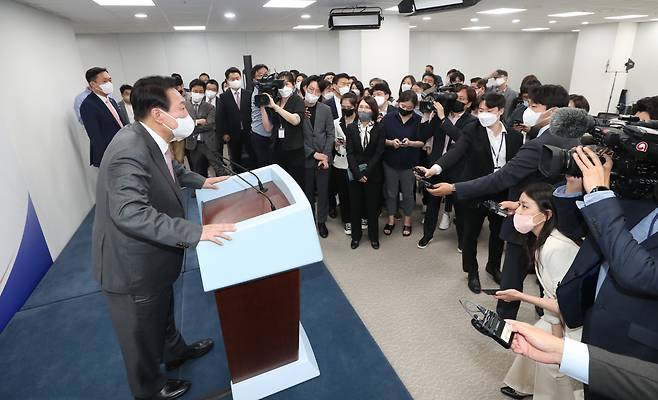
(633, 146)
(445, 95)
(270, 85)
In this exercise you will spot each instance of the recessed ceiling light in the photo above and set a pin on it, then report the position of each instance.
(190, 27)
(412, 26)
(148, 3)
(427, 18)
(302, 27)
(229, 15)
(571, 14)
(288, 3)
(575, 30)
(552, 22)
(627, 16)
(475, 19)
(516, 21)
(140, 15)
(475, 28)
(535, 29)
(654, 19)
(502, 11)
(305, 16)
(584, 23)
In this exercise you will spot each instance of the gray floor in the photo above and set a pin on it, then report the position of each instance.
(408, 299)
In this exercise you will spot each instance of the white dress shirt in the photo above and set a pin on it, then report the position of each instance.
(162, 144)
(130, 112)
(575, 360)
(498, 148)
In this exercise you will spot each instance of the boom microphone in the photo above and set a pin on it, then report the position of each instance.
(571, 123)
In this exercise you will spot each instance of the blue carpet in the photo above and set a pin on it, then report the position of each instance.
(62, 345)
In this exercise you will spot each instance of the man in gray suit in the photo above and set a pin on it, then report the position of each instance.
(607, 374)
(203, 145)
(140, 235)
(319, 136)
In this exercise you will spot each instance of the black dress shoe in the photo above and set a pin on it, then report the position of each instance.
(474, 283)
(173, 389)
(354, 244)
(508, 391)
(333, 213)
(374, 244)
(495, 274)
(323, 231)
(195, 350)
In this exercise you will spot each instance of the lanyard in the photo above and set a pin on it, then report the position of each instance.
(493, 152)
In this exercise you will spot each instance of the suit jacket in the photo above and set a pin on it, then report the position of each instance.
(519, 172)
(474, 149)
(319, 137)
(371, 155)
(207, 131)
(624, 316)
(140, 231)
(442, 130)
(620, 377)
(100, 124)
(229, 117)
(123, 113)
(332, 104)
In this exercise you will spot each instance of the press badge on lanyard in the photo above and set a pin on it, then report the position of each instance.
(282, 133)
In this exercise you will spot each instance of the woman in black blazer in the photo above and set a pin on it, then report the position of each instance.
(287, 133)
(365, 147)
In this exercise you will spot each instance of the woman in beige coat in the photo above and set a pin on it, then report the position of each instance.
(552, 254)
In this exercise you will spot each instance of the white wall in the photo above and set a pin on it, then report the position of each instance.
(643, 80)
(132, 56)
(547, 55)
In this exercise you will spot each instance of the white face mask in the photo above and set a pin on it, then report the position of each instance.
(311, 98)
(235, 85)
(343, 90)
(184, 129)
(356, 92)
(107, 87)
(286, 91)
(380, 100)
(500, 81)
(197, 97)
(487, 119)
(420, 96)
(405, 87)
(298, 85)
(211, 94)
(530, 117)
(328, 95)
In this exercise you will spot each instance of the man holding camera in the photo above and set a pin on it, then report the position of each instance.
(260, 137)
(612, 287)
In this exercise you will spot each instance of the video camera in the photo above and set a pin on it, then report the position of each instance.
(446, 95)
(270, 85)
(633, 146)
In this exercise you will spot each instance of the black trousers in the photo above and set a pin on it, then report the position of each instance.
(202, 157)
(263, 149)
(147, 335)
(473, 220)
(240, 144)
(292, 161)
(515, 269)
(433, 204)
(365, 201)
(338, 185)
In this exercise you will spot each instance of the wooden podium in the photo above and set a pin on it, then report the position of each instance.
(256, 278)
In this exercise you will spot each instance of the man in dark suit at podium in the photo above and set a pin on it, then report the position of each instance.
(140, 235)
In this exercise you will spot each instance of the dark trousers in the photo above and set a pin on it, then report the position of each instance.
(202, 157)
(317, 181)
(240, 144)
(365, 203)
(147, 335)
(292, 161)
(262, 147)
(338, 185)
(515, 269)
(473, 220)
(433, 204)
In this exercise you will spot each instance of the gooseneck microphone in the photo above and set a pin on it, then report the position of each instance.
(261, 192)
(244, 169)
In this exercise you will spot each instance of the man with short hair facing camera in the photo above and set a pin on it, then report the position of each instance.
(611, 289)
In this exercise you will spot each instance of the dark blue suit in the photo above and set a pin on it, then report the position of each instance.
(100, 124)
(624, 317)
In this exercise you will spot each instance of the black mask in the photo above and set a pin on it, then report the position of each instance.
(348, 112)
(405, 113)
(458, 106)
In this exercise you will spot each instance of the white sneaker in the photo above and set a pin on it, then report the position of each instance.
(348, 228)
(445, 222)
(364, 223)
